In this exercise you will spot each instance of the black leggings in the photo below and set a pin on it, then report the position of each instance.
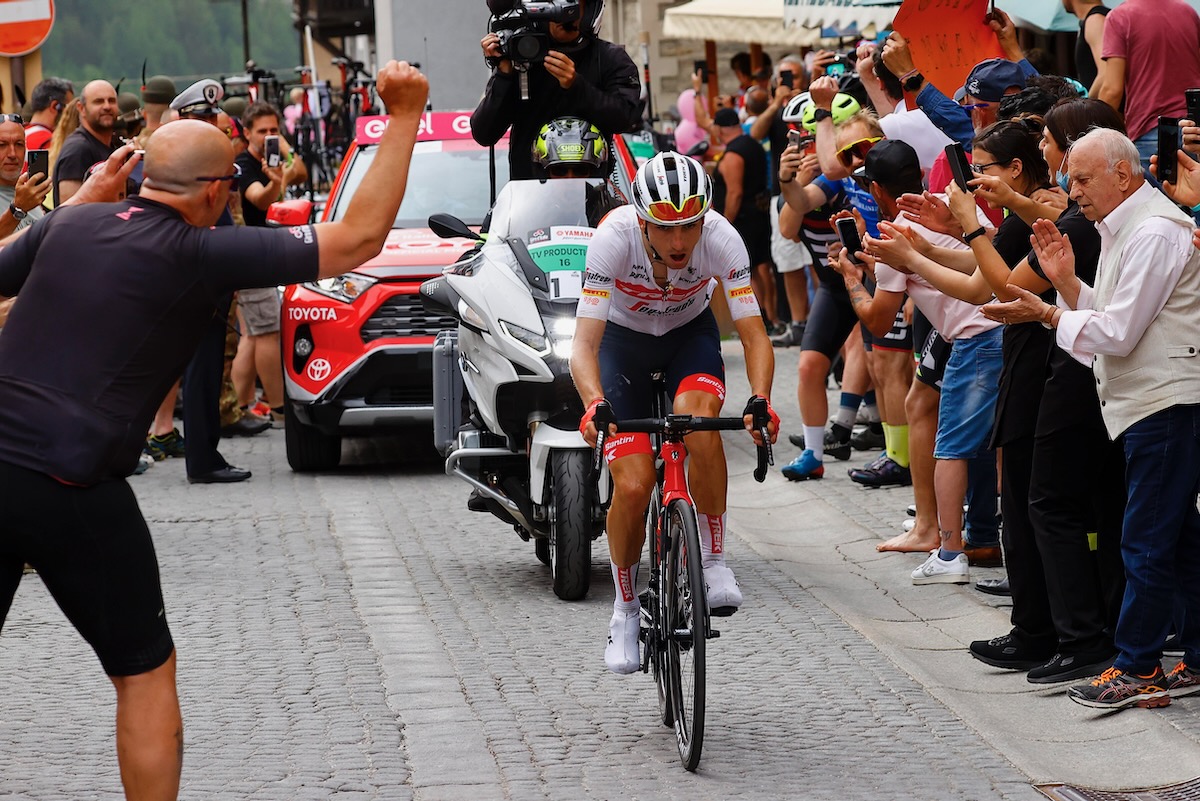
(92, 549)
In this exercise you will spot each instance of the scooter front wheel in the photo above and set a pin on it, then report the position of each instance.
(570, 523)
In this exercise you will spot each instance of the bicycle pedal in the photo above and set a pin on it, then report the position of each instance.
(722, 611)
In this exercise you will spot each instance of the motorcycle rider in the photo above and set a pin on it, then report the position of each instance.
(582, 75)
(652, 267)
(569, 147)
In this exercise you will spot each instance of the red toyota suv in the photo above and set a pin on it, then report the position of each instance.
(358, 348)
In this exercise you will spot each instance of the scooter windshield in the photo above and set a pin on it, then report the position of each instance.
(555, 220)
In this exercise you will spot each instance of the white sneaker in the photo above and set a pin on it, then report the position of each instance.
(909, 524)
(722, 588)
(621, 653)
(936, 571)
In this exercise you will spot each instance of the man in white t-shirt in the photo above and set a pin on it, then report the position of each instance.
(968, 399)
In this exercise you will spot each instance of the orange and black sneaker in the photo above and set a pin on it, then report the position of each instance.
(1183, 680)
(1117, 689)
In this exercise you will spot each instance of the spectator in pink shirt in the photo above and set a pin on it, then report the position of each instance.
(1152, 54)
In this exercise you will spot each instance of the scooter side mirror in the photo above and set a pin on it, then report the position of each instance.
(447, 226)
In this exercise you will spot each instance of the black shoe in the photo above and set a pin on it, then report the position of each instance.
(1009, 652)
(882, 473)
(248, 425)
(226, 475)
(476, 502)
(869, 439)
(791, 337)
(1065, 667)
(1172, 646)
(994, 586)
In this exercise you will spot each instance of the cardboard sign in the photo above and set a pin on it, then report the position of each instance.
(947, 39)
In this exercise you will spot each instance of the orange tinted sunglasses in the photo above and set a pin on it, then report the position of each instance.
(667, 212)
(860, 148)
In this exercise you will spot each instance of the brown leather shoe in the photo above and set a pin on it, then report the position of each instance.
(984, 557)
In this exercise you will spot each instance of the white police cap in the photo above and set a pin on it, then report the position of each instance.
(201, 97)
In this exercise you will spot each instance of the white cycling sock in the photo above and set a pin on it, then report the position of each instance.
(814, 440)
(712, 538)
(625, 582)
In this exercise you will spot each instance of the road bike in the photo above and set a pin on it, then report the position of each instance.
(676, 621)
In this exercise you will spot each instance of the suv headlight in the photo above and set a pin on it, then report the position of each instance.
(534, 341)
(345, 288)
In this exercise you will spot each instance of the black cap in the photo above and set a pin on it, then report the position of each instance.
(894, 165)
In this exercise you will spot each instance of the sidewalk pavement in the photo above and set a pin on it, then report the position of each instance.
(823, 534)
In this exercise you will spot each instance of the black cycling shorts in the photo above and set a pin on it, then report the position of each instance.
(92, 549)
(831, 318)
(899, 338)
(931, 364)
(628, 359)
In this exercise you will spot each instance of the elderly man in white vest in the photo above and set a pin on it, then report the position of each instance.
(1139, 328)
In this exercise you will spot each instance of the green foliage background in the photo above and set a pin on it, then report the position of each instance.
(181, 38)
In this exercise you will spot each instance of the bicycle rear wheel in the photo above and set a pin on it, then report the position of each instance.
(684, 604)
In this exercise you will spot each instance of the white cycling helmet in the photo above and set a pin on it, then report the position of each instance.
(793, 112)
(671, 189)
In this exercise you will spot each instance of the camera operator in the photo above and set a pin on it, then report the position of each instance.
(581, 76)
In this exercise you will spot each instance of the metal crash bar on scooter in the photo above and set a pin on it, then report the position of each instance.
(510, 506)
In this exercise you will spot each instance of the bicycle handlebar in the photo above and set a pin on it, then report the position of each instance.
(681, 424)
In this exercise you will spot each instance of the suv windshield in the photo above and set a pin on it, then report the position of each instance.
(448, 177)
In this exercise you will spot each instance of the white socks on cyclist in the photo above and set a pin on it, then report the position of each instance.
(621, 653)
(712, 538)
(814, 440)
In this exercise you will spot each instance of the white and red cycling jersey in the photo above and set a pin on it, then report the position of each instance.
(619, 286)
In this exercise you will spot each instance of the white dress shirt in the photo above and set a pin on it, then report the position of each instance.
(1151, 265)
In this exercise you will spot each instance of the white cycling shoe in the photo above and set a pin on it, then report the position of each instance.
(724, 594)
(621, 654)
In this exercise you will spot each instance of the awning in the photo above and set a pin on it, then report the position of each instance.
(1050, 17)
(745, 21)
(840, 14)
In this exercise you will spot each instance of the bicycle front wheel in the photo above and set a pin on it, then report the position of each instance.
(685, 608)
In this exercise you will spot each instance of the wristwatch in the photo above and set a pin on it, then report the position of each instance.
(914, 83)
(17, 214)
(822, 114)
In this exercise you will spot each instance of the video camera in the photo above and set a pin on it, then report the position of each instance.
(522, 27)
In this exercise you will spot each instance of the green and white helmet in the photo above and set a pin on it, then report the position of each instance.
(571, 142)
(844, 107)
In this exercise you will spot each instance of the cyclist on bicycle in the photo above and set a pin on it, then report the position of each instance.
(651, 270)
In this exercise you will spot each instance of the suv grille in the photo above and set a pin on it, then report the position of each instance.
(404, 316)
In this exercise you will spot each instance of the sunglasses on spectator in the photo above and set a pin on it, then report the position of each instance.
(979, 168)
(12, 118)
(665, 211)
(860, 149)
(232, 177)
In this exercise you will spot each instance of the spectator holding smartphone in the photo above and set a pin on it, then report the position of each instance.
(21, 195)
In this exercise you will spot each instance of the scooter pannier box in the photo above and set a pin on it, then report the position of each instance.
(447, 391)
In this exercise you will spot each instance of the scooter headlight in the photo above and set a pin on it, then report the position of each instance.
(534, 341)
(562, 336)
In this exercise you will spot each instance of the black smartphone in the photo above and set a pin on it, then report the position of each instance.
(271, 151)
(37, 161)
(1168, 145)
(794, 138)
(960, 167)
(1193, 105)
(847, 231)
(786, 78)
(838, 68)
(701, 68)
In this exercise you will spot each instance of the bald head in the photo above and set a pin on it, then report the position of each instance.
(183, 151)
(98, 109)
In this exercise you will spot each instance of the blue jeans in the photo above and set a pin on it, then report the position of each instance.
(1147, 146)
(1160, 540)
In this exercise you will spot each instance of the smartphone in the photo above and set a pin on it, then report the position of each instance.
(960, 167)
(1193, 105)
(701, 68)
(37, 161)
(794, 138)
(838, 68)
(1168, 145)
(271, 151)
(847, 231)
(786, 78)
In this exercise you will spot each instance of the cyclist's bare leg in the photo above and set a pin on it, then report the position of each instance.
(921, 408)
(707, 473)
(149, 733)
(810, 392)
(633, 481)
